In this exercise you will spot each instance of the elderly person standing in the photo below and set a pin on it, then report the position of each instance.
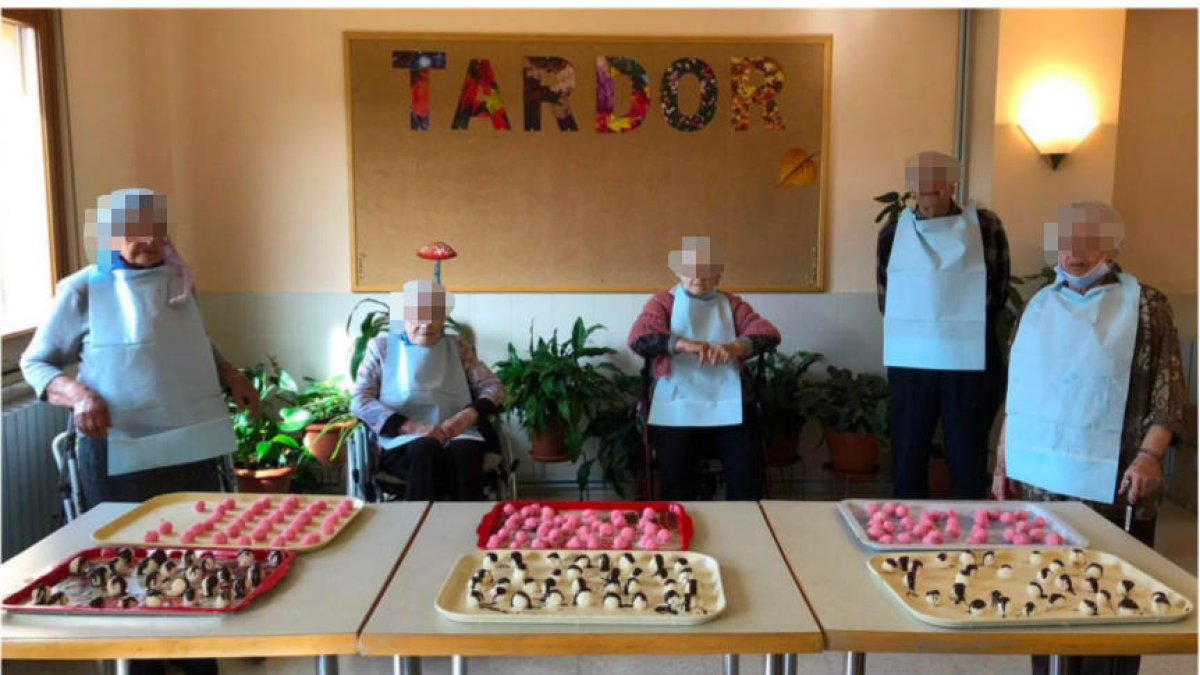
(147, 401)
(698, 338)
(942, 277)
(1096, 389)
(422, 393)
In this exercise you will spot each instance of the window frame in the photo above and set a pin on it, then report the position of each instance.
(46, 24)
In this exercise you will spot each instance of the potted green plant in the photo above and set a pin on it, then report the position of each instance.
(616, 428)
(552, 391)
(853, 410)
(269, 459)
(781, 394)
(323, 414)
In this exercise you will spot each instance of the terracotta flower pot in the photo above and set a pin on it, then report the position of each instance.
(940, 484)
(322, 448)
(276, 481)
(783, 445)
(550, 446)
(852, 452)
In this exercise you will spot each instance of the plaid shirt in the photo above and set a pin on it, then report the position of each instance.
(995, 258)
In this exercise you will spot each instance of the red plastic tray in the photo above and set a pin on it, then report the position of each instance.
(493, 520)
(18, 602)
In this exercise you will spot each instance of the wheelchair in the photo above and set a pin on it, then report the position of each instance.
(372, 484)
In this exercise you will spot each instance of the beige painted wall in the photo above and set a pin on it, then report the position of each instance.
(1024, 191)
(1155, 186)
(251, 139)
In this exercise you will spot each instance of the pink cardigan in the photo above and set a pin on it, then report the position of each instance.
(655, 319)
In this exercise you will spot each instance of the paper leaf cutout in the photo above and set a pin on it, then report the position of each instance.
(798, 168)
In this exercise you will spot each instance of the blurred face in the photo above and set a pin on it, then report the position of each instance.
(703, 283)
(424, 324)
(140, 240)
(1081, 247)
(933, 198)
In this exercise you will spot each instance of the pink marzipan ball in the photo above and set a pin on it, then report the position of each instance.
(901, 511)
(311, 539)
(508, 509)
(664, 535)
(1055, 539)
(650, 529)
(875, 532)
(872, 508)
(886, 539)
(648, 544)
(244, 541)
(606, 530)
(494, 540)
(152, 537)
(165, 527)
(220, 539)
(574, 543)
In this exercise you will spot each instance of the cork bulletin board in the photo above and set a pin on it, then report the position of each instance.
(577, 164)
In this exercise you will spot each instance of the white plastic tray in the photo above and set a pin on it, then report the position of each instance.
(950, 615)
(452, 601)
(855, 514)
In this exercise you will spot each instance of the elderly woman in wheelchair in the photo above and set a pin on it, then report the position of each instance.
(698, 339)
(424, 395)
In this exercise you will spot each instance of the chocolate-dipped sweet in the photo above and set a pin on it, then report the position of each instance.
(612, 601)
(910, 581)
(977, 606)
(1005, 571)
(989, 558)
(1034, 590)
(1035, 558)
(889, 565)
(584, 598)
(254, 575)
(1091, 585)
(116, 587)
(574, 572)
(77, 566)
(224, 574)
(168, 568)
(208, 562)
(474, 599)
(941, 560)
(603, 562)
(57, 598)
(174, 588)
(188, 558)
(1029, 609)
(222, 600)
(1076, 557)
(1056, 600)
(554, 598)
(188, 599)
(96, 602)
(520, 601)
(640, 602)
(489, 560)
(209, 586)
(626, 562)
(245, 557)
(40, 595)
(583, 561)
(555, 559)
(1124, 588)
(1159, 602)
(958, 593)
(193, 574)
(1063, 583)
(98, 577)
(632, 586)
(1103, 598)
(128, 602)
(1094, 571)
(154, 599)
(1004, 606)
(125, 553)
(934, 598)
(516, 558)
(275, 558)
(239, 588)
(158, 555)
(1087, 608)
(680, 565)
(146, 566)
(1127, 607)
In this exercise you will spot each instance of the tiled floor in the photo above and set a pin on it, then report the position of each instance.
(1176, 539)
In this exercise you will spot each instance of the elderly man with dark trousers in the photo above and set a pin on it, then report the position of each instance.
(942, 276)
(147, 402)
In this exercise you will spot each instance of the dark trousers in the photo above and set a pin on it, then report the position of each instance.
(436, 473)
(966, 402)
(1143, 531)
(97, 486)
(679, 450)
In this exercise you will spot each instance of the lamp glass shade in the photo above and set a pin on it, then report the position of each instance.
(1056, 115)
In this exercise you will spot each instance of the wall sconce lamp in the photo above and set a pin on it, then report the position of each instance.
(1056, 115)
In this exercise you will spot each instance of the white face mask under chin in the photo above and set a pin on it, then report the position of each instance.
(1086, 280)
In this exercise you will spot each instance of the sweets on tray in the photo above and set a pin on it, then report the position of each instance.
(1026, 585)
(232, 521)
(929, 525)
(606, 586)
(582, 526)
(137, 580)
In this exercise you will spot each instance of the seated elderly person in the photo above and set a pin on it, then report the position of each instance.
(1096, 389)
(423, 392)
(147, 400)
(698, 338)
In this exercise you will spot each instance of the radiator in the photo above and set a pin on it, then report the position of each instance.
(31, 505)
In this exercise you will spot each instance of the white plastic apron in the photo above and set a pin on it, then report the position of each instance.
(1067, 385)
(694, 395)
(935, 316)
(152, 363)
(426, 384)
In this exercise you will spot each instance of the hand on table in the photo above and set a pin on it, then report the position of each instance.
(1143, 477)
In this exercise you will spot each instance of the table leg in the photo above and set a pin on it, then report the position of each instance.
(406, 665)
(772, 664)
(1058, 665)
(458, 665)
(732, 664)
(856, 663)
(121, 667)
(789, 664)
(327, 665)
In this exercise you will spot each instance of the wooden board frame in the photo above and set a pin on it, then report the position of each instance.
(818, 274)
